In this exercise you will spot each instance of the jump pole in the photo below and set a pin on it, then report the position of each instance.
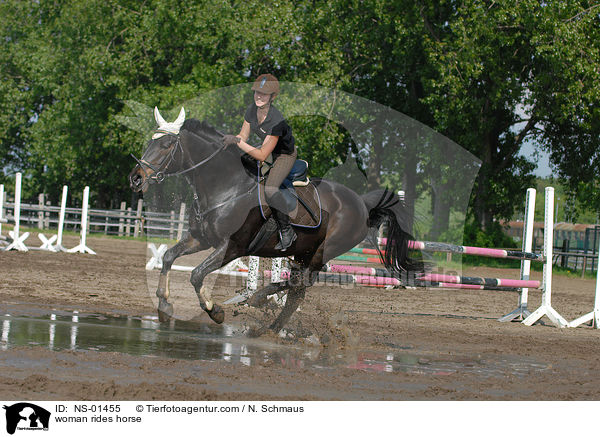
(545, 308)
(594, 316)
(522, 312)
(387, 281)
(61, 220)
(18, 240)
(431, 246)
(82, 248)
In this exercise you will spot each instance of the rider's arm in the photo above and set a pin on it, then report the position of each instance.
(245, 131)
(264, 151)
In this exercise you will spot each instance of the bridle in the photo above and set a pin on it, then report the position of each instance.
(159, 174)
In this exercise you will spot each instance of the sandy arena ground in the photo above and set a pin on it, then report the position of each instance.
(484, 359)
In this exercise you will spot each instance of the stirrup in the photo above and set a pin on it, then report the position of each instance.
(280, 245)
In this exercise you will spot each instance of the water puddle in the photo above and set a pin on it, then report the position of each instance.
(144, 336)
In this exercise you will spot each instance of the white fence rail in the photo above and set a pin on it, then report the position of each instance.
(124, 221)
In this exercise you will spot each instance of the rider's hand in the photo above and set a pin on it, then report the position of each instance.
(230, 140)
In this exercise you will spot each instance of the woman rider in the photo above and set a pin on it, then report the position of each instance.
(266, 121)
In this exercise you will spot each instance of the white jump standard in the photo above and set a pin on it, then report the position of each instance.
(18, 240)
(522, 312)
(61, 220)
(594, 316)
(545, 308)
(82, 248)
(47, 242)
(155, 261)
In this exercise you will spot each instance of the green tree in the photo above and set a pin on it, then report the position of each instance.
(508, 72)
(489, 75)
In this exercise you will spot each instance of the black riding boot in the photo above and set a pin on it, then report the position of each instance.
(286, 233)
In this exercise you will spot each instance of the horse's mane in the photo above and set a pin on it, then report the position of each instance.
(202, 129)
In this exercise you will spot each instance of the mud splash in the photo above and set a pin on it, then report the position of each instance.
(145, 336)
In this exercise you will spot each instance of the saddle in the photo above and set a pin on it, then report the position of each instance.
(302, 201)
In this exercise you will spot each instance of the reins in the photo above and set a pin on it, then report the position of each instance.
(204, 161)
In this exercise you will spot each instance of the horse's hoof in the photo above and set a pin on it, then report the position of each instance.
(163, 317)
(165, 312)
(217, 314)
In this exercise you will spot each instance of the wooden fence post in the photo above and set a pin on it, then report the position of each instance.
(181, 221)
(564, 261)
(128, 225)
(47, 215)
(138, 219)
(41, 211)
(121, 219)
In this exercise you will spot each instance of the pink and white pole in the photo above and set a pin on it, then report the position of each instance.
(18, 240)
(82, 248)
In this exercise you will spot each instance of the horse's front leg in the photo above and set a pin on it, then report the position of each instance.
(186, 246)
(215, 260)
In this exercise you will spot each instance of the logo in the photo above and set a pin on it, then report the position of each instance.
(25, 416)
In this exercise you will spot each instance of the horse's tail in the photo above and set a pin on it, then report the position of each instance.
(386, 207)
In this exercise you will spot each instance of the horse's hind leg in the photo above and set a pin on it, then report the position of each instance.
(186, 246)
(300, 278)
(259, 298)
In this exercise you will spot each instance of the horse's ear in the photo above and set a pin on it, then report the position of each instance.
(180, 118)
(159, 120)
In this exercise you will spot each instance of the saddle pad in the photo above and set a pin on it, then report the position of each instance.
(299, 216)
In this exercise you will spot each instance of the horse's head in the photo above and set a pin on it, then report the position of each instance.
(160, 153)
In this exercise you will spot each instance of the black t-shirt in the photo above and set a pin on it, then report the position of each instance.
(275, 125)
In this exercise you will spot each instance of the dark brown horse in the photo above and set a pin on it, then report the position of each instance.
(227, 217)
